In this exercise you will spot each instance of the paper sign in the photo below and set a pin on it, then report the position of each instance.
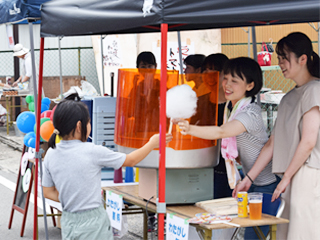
(111, 52)
(114, 209)
(173, 62)
(177, 228)
(10, 36)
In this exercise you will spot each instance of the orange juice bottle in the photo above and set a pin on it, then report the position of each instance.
(242, 204)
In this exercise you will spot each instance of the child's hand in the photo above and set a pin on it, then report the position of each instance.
(184, 127)
(155, 139)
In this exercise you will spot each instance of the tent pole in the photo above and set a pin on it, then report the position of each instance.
(255, 56)
(161, 206)
(60, 66)
(102, 68)
(180, 56)
(34, 75)
(319, 38)
(249, 42)
(35, 225)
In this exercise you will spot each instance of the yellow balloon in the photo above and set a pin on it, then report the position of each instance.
(58, 139)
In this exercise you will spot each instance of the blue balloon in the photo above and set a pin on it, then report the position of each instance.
(44, 107)
(25, 121)
(27, 137)
(32, 142)
(45, 101)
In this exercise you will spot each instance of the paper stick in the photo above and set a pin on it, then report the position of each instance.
(170, 126)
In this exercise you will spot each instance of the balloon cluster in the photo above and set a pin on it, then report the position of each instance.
(26, 122)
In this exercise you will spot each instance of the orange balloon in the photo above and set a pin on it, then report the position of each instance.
(46, 130)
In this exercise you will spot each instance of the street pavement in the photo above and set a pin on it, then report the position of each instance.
(9, 166)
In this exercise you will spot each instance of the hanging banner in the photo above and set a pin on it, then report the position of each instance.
(10, 36)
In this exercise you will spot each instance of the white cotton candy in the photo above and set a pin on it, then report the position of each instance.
(181, 102)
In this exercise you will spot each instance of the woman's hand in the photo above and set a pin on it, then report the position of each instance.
(184, 126)
(155, 139)
(280, 188)
(244, 185)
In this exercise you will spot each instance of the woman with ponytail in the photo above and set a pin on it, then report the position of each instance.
(294, 145)
(72, 172)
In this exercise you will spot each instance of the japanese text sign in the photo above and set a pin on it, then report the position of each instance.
(114, 209)
(176, 228)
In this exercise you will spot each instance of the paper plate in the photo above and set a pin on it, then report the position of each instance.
(31, 152)
(26, 180)
(209, 218)
(24, 163)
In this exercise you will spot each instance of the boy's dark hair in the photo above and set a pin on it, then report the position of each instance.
(65, 119)
(300, 44)
(217, 60)
(146, 57)
(195, 60)
(247, 68)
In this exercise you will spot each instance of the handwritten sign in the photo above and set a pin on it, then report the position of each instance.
(111, 52)
(177, 228)
(114, 209)
(173, 62)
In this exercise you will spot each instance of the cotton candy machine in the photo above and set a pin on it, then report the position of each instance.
(137, 119)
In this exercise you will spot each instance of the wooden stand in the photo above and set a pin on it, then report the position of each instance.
(21, 199)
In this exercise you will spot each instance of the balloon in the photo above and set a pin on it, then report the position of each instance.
(44, 107)
(46, 114)
(42, 120)
(46, 130)
(32, 142)
(31, 106)
(46, 101)
(25, 121)
(27, 137)
(51, 117)
(29, 98)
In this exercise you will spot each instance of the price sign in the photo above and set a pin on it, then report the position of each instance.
(177, 228)
(114, 209)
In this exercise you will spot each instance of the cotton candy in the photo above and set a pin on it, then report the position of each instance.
(181, 102)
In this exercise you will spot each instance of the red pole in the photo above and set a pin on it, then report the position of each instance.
(162, 127)
(35, 224)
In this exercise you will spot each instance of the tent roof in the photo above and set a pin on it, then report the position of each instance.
(82, 17)
(14, 11)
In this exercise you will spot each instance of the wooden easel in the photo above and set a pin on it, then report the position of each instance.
(21, 199)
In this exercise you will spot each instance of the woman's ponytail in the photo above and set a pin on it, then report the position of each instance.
(52, 141)
(313, 65)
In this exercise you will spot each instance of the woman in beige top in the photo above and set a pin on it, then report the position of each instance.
(294, 145)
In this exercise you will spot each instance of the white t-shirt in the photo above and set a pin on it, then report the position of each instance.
(74, 168)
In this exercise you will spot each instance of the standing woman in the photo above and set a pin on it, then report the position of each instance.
(294, 144)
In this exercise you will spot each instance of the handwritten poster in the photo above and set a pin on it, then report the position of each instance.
(173, 62)
(177, 228)
(111, 52)
(114, 209)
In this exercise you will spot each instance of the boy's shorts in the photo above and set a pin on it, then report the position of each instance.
(91, 224)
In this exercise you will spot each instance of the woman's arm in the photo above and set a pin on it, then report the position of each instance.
(138, 155)
(230, 129)
(51, 193)
(309, 136)
(262, 161)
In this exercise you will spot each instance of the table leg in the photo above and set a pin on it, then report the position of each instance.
(273, 232)
(7, 107)
(205, 234)
(145, 226)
